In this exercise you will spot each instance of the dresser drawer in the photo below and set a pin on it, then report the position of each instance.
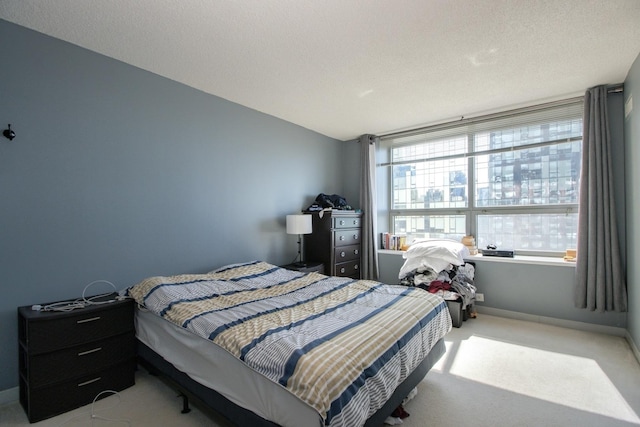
(347, 253)
(62, 330)
(348, 269)
(347, 237)
(45, 402)
(346, 222)
(49, 368)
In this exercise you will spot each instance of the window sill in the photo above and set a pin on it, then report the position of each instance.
(517, 259)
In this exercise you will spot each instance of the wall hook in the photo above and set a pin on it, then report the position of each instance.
(8, 133)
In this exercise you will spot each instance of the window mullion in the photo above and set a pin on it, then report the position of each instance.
(471, 185)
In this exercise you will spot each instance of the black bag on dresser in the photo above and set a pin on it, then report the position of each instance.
(333, 201)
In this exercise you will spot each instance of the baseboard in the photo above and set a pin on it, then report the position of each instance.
(9, 395)
(571, 324)
(633, 346)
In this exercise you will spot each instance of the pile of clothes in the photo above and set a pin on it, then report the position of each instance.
(399, 413)
(438, 266)
(453, 283)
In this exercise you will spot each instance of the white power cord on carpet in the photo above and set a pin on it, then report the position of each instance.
(93, 413)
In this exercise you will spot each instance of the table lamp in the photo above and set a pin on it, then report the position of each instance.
(299, 224)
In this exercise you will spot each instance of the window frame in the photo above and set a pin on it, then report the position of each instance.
(468, 127)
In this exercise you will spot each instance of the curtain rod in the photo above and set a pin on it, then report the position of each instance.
(471, 120)
(617, 88)
(613, 88)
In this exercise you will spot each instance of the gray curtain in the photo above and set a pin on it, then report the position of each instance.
(368, 205)
(600, 281)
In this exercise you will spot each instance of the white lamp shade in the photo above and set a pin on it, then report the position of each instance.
(299, 224)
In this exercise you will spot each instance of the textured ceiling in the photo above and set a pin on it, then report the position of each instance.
(348, 67)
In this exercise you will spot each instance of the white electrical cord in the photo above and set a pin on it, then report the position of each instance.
(93, 412)
(97, 417)
(80, 302)
(90, 300)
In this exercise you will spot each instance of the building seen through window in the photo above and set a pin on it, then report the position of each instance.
(512, 183)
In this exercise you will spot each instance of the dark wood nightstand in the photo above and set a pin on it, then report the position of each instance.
(67, 358)
(306, 267)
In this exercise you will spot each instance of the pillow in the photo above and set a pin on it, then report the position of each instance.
(444, 249)
(433, 254)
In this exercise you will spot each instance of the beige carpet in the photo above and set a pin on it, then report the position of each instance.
(496, 372)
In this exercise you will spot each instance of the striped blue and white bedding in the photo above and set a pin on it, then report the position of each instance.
(340, 345)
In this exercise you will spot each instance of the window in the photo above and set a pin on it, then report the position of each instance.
(509, 179)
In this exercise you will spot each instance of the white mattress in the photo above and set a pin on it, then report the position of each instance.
(213, 367)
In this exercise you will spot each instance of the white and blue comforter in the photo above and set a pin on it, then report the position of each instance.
(340, 345)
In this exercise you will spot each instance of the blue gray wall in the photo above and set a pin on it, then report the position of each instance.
(119, 174)
(632, 147)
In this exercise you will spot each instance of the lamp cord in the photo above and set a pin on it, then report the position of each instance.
(299, 250)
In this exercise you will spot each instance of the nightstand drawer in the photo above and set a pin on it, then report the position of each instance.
(62, 330)
(45, 402)
(347, 253)
(347, 237)
(49, 368)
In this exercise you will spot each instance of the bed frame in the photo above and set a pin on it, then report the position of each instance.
(210, 399)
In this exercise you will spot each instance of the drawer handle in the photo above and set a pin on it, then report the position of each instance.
(342, 270)
(341, 237)
(355, 267)
(355, 222)
(342, 254)
(341, 222)
(355, 252)
(355, 237)
(89, 382)
(91, 319)
(84, 353)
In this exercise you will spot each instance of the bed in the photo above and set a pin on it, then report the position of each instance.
(267, 346)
